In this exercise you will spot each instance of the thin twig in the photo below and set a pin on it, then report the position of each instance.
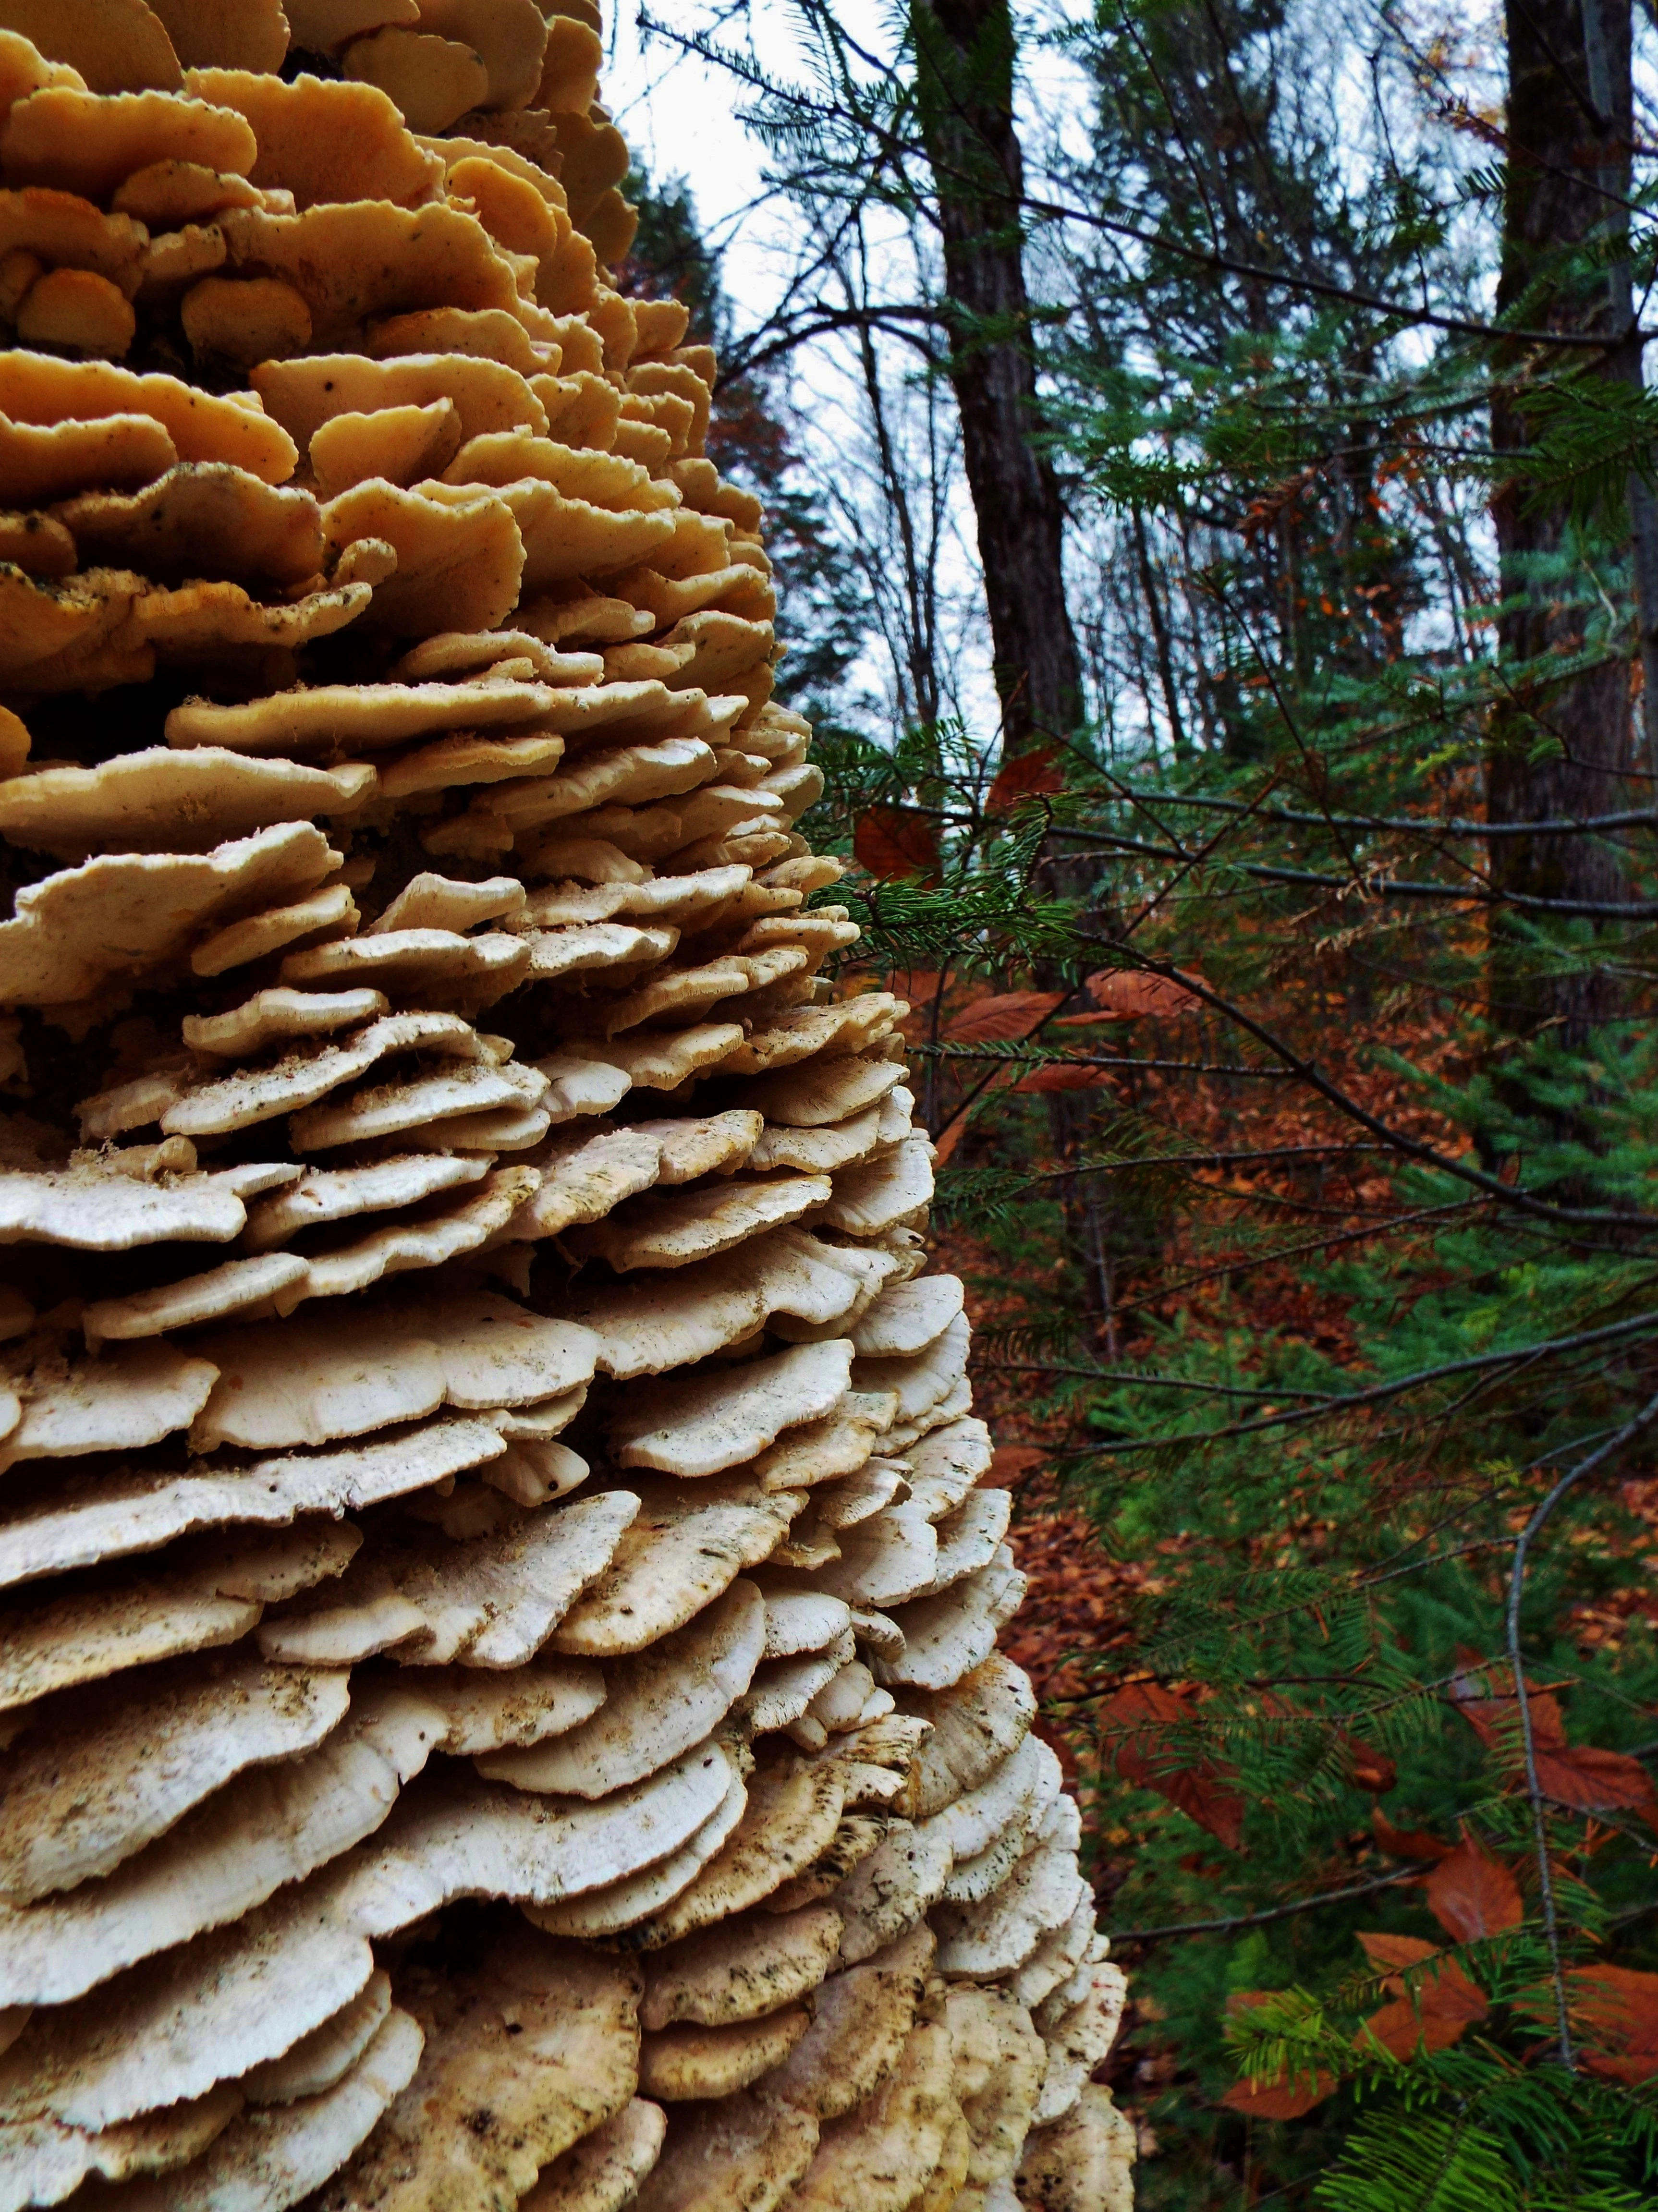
(1258, 1919)
(896, 146)
(1340, 1402)
(1453, 826)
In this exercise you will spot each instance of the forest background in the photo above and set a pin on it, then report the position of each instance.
(1212, 483)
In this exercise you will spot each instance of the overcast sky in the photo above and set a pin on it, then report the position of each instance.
(679, 118)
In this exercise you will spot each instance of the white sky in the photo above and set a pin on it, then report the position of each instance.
(680, 118)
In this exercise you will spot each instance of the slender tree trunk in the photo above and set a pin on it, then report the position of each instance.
(1606, 53)
(1563, 749)
(964, 56)
(964, 71)
(1160, 638)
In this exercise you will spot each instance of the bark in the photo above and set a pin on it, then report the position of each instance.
(964, 56)
(964, 75)
(1603, 56)
(1160, 638)
(1565, 750)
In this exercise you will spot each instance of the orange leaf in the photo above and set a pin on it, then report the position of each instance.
(1064, 1075)
(895, 841)
(1631, 2071)
(996, 1020)
(1595, 1781)
(1407, 1843)
(949, 1137)
(1471, 1894)
(1023, 775)
(1128, 992)
(1143, 1717)
(1400, 2029)
(1486, 1698)
(1448, 1994)
(1282, 2099)
(1202, 1794)
(1496, 1721)
(1619, 2004)
(956, 1127)
(1009, 1462)
(1581, 1776)
(1395, 1951)
(1370, 1769)
(919, 986)
(1146, 1701)
(1615, 2010)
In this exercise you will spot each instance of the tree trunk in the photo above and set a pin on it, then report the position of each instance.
(964, 55)
(1563, 749)
(964, 52)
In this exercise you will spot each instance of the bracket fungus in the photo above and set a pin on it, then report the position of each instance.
(498, 1640)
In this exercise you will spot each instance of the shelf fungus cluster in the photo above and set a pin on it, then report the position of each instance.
(499, 1694)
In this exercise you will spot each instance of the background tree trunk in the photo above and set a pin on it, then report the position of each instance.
(1563, 749)
(964, 54)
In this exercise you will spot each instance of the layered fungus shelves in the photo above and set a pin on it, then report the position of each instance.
(498, 1651)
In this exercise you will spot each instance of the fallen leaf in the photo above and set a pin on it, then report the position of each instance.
(1581, 1776)
(1130, 992)
(1619, 2003)
(1009, 1462)
(1394, 1952)
(1022, 776)
(1407, 1843)
(1399, 2028)
(955, 1129)
(1432, 2007)
(919, 989)
(1495, 1717)
(947, 1139)
(996, 1020)
(1064, 1075)
(1370, 1769)
(1631, 2069)
(1446, 1993)
(1145, 1718)
(1615, 2010)
(1471, 1894)
(891, 842)
(1278, 2101)
(1592, 1780)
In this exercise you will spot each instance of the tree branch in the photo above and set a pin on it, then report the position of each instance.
(1273, 1912)
(1378, 1394)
